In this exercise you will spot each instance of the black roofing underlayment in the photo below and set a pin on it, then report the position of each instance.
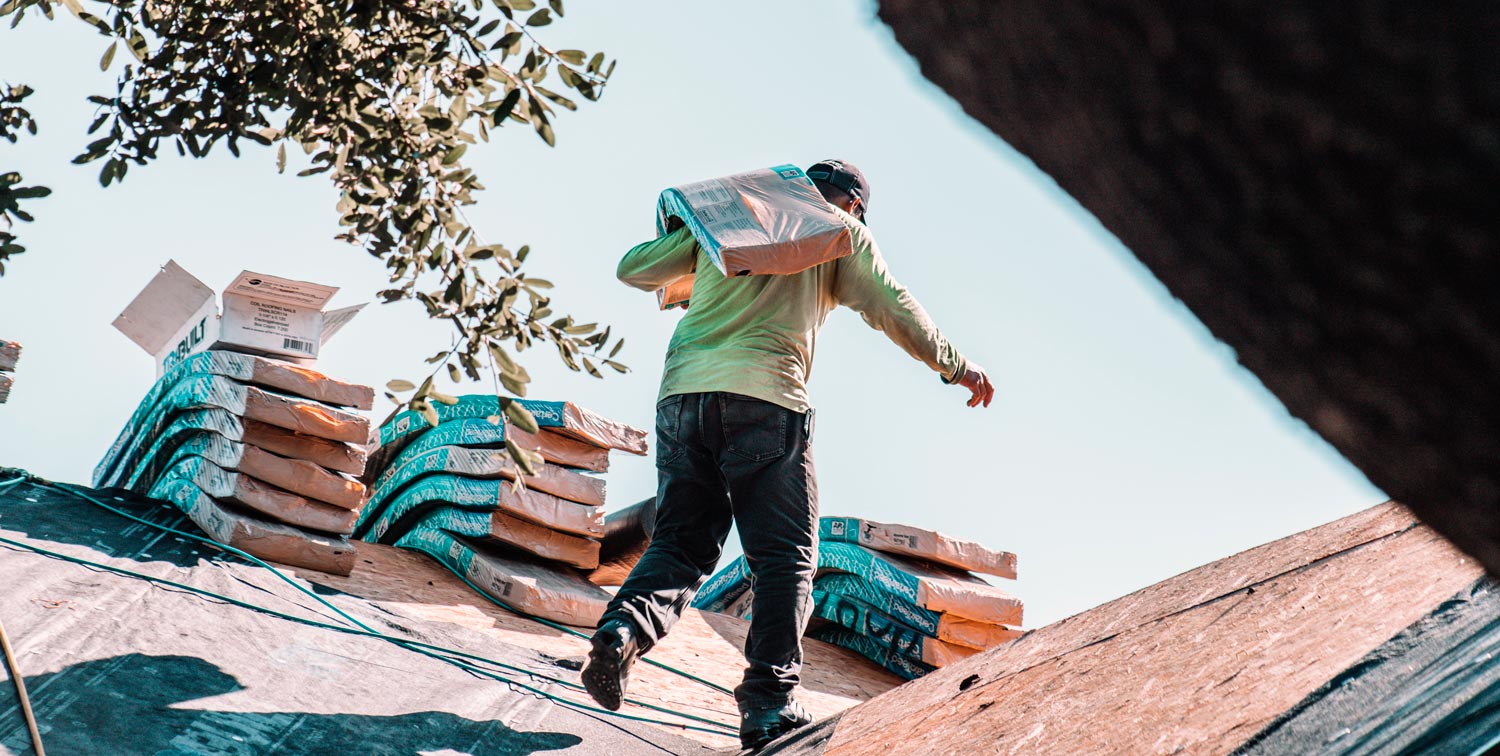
(119, 666)
(1434, 690)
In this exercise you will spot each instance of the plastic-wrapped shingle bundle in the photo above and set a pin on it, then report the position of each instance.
(453, 491)
(264, 455)
(904, 597)
(10, 352)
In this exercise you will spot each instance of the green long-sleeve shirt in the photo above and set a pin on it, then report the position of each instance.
(755, 335)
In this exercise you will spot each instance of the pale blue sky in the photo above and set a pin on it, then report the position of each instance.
(1125, 444)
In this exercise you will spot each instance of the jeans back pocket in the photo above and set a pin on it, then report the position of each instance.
(753, 429)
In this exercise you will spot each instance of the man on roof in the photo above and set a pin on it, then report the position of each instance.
(734, 446)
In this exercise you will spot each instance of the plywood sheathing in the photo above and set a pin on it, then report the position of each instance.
(705, 645)
(1195, 664)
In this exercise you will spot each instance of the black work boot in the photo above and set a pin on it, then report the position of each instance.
(615, 649)
(761, 725)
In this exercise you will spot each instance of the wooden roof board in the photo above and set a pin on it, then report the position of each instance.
(1432, 689)
(1196, 664)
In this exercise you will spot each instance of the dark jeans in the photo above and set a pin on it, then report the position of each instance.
(723, 458)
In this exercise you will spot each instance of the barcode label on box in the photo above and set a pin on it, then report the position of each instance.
(297, 344)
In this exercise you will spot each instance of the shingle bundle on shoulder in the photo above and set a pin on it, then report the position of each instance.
(453, 491)
(10, 352)
(904, 597)
(264, 455)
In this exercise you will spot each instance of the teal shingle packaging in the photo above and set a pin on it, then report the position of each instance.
(486, 463)
(295, 475)
(946, 627)
(490, 433)
(871, 649)
(763, 222)
(263, 498)
(565, 418)
(513, 532)
(409, 504)
(332, 455)
(10, 352)
(268, 540)
(929, 587)
(852, 614)
(206, 391)
(627, 533)
(254, 450)
(551, 592)
(928, 545)
(905, 614)
(453, 491)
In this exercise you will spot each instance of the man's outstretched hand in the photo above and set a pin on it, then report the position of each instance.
(976, 381)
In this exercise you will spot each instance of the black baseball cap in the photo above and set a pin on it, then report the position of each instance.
(846, 178)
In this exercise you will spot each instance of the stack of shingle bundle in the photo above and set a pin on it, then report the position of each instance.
(451, 491)
(262, 454)
(10, 352)
(901, 596)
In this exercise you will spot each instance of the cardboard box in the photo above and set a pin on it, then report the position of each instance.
(771, 221)
(177, 315)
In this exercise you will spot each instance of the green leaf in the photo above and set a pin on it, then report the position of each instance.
(281, 158)
(399, 385)
(540, 18)
(487, 28)
(557, 7)
(618, 346)
(429, 414)
(571, 57)
(109, 55)
(507, 40)
(520, 417)
(442, 398)
(523, 458)
(503, 110)
(513, 384)
(454, 154)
